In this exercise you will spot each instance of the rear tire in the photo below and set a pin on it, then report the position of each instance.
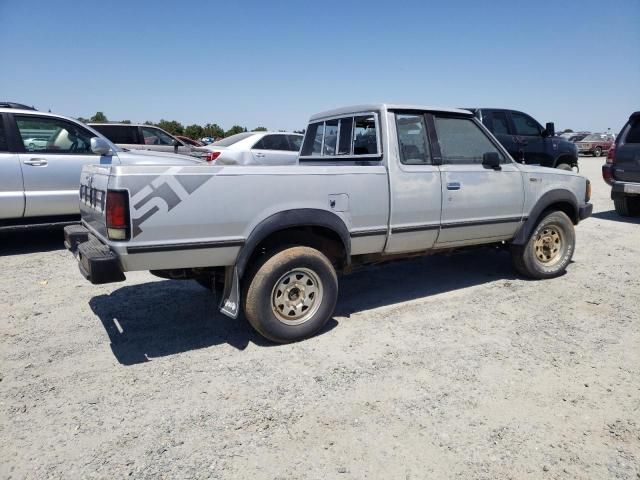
(564, 166)
(627, 206)
(290, 295)
(597, 152)
(549, 248)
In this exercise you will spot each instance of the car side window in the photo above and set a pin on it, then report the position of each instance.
(4, 147)
(633, 135)
(313, 139)
(525, 125)
(53, 135)
(500, 124)
(295, 142)
(412, 139)
(365, 141)
(127, 134)
(155, 136)
(462, 142)
(274, 142)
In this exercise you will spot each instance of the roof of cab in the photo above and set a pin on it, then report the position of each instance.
(372, 107)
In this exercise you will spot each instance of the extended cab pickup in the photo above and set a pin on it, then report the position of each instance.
(373, 183)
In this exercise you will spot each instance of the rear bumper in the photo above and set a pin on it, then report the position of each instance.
(585, 211)
(96, 261)
(621, 189)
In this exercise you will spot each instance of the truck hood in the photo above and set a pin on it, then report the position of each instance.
(546, 170)
(148, 157)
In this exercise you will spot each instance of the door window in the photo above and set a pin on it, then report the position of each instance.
(525, 125)
(500, 124)
(127, 134)
(3, 137)
(155, 136)
(295, 142)
(52, 135)
(462, 141)
(412, 139)
(272, 142)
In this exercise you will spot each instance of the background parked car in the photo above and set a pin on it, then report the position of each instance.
(595, 144)
(526, 140)
(189, 141)
(622, 170)
(254, 148)
(207, 140)
(40, 186)
(576, 137)
(142, 137)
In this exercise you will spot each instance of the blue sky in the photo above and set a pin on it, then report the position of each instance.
(274, 63)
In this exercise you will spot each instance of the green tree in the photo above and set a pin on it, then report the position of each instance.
(83, 120)
(259, 129)
(148, 122)
(171, 126)
(567, 130)
(213, 130)
(128, 122)
(194, 131)
(99, 117)
(235, 129)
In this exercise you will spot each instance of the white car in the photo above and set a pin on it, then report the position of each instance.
(32, 144)
(254, 148)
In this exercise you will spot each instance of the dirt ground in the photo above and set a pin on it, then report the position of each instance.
(442, 367)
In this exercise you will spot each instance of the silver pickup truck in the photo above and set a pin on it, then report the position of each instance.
(373, 183)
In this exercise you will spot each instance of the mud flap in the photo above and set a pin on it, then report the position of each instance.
(230, 302)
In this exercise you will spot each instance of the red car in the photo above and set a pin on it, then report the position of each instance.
(595, 144)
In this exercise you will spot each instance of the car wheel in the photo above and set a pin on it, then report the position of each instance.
(291, 294)
(627, 206)
(564, 166)
(597, 152)
(549, 248)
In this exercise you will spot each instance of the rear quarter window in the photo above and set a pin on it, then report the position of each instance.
(3, 136)
(633, 134)
(347, 137)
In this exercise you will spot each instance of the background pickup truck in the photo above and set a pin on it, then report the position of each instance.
(373, 183)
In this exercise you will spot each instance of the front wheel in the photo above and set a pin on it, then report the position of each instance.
(291, 294)
(549, 248)
(597, 152)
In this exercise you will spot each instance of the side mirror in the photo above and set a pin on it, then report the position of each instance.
(549, 130)
(491, 160)
(100, 146)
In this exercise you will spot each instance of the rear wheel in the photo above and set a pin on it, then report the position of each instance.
(291, 294)
(627, 206)
(597, 152)
(549, 248)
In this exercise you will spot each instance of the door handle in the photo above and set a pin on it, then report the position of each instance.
(36, 162)
(454, 186)
(258, 154)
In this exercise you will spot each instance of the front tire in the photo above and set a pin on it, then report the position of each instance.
(291, 294)
(549, 248)
(597, 152)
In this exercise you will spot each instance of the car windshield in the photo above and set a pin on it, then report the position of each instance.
(595, 137)
(227, 142)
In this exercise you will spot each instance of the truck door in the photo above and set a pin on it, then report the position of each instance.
(478, 203)
(11, 187)
(531, 142)
(415, 185)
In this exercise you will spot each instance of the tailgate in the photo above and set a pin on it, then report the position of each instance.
(94, 181)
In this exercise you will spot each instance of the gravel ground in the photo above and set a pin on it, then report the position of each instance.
(442, 367)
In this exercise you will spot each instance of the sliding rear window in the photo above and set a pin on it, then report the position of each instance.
(352, 137)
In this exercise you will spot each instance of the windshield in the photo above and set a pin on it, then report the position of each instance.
(595, 137)
(227, 142)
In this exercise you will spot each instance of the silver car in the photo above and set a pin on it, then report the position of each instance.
(254, 148)
(39, 184)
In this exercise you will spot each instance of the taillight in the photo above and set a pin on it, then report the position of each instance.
(211, 156)
(611, 155)
(117, 215)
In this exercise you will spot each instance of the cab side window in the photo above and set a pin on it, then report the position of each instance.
(525, 125)
(500, 124)
(412, 139)
(348, 136)
(155, 136)
(52, 135)
(462, 142)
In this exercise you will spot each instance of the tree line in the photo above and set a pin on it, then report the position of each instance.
(174, 127)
